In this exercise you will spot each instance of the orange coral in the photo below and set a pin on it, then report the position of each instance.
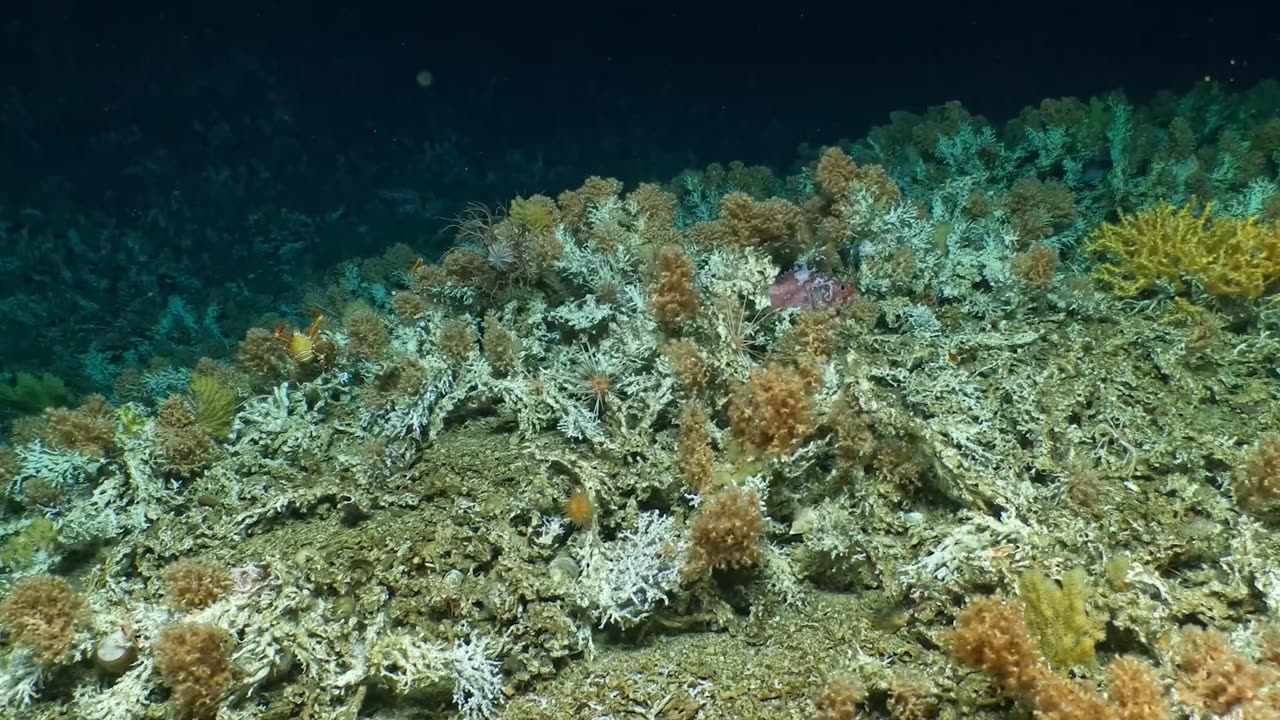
(772, 412)
(1257, 481)
(726, 532)
(195, 584)
(990, 636)
(673, 294)
(42, 612)
(749, 222)
(693, 454)
(194, 659)
(1218, 680)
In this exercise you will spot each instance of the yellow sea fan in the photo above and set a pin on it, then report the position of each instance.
(1056, 616)
(215, 405)
(1226, 256)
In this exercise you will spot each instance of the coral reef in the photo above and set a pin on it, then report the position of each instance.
(836, 444)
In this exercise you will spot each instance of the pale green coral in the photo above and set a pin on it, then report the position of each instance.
(29, 393)
(21, 549)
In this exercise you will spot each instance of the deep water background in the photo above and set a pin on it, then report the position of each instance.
(215, 136)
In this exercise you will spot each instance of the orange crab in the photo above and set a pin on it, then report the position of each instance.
(302, 346)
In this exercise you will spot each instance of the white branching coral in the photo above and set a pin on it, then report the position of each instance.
(624, 580)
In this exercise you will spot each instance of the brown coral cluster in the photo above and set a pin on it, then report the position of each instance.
(673, 294)
(457, 340)
(836, 173)
(195, 584)
(694, 458)
(42, 613)
(89, 429)
(261, 355)
(772, 411)
(367, 334)
(1257, 481)
(184, 448)
(688, 366)
(812, 334)
(575, 204)
(1035, 267)
(1039, 208)
(409, 307)
(726, 532)
(839, 698)
(500, 346)
(748, 222)
(657, 208)
(194, 660)
(991, 636)
(1217, 680)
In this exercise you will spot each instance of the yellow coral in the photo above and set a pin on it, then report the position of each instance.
(1226, 256)
(215, 405)
(537, 213)
(1055, 614)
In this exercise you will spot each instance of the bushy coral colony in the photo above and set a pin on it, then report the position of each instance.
(963, 419)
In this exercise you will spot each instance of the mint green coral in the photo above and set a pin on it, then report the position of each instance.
(30, 394)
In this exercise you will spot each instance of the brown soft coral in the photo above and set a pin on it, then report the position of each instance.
(726, 532)
(1039, 209)
(673, 294)
(990, 636)
(688, 366)
(748, 222)
(185, 448)
(42, 613)
(261, 355)
(1216, 679)
(694, 458)
(367, 333)
(772, 412)
(836, 172)
(657, 209)
(575, 204)
(1257, 481)
(89, 429)
(195, 584)
(194, 659)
